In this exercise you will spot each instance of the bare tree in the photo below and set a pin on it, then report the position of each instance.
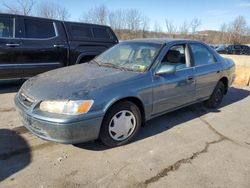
(239, 25)
(195, 24)
(184, 27)
(224, 36)
(23, 7)
(129, 23)
(248, 31)
(133, 20)
(63, 13)
(145, 25)
(117, 19)
(52, 10)
(97, 15)
(223, 27)
(237, 29)
(157, 27)
(171, 28)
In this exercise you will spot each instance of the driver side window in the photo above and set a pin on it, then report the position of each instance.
(176, 56)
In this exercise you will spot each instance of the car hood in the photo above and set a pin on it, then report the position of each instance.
(74, 82)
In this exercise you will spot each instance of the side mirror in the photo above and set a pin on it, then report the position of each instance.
(166, 69)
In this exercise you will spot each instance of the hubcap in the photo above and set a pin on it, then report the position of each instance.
(122, 125)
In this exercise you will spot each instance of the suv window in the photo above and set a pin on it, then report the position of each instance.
(81, 31)
(101, 33)
(39, 29)
(238, 47)
(176, 56)
(202, 55)
(6, 27)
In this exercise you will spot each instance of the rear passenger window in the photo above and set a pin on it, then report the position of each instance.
(6, 28)
(39, 29)
(202, 56)
(101, 33)
(81, 32)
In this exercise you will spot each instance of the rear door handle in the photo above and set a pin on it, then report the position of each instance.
(12, 44)
(58, 45)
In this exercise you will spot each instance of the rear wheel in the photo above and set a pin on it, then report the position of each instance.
(216, 98)
(120, 124)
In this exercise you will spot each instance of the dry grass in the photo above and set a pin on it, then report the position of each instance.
(240, 60)
(242, 69)
(242, 76)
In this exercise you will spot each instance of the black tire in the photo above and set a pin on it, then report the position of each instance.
(216, 98)
(105, 136)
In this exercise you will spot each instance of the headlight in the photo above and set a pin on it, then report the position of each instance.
(67, 107)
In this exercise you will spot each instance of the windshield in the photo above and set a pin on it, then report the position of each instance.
(221, 48)
(131, 56)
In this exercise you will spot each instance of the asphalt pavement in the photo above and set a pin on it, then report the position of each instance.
(191, 147)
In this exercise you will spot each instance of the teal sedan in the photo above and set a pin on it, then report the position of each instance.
(113, 95)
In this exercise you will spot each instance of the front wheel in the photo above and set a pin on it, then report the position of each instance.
(216, 98)
(120, 124)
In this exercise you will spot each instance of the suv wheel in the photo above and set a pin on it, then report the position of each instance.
(216, 98)
(120, 124)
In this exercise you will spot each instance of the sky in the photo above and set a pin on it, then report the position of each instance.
(212, 13)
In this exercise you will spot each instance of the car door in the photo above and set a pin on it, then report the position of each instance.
(44, 46)
(171, 91)
(9, 47)
(207, 70)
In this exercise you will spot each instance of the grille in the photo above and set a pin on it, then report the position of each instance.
(24, 99)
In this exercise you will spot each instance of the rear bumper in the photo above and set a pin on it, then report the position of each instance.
(66, 133)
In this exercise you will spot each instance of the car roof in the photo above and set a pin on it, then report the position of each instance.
(161, 40)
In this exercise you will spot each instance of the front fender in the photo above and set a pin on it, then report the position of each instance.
(144, 95)
(115, 100)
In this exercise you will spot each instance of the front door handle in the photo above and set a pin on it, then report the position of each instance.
(12, 44)
(58, 45)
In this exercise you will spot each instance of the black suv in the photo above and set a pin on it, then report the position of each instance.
(238, 49)
(30, 45)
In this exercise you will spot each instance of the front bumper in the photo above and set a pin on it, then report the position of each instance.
(67, 133)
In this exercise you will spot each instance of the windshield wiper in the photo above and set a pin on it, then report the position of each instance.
(94, 61)
(114, 66)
